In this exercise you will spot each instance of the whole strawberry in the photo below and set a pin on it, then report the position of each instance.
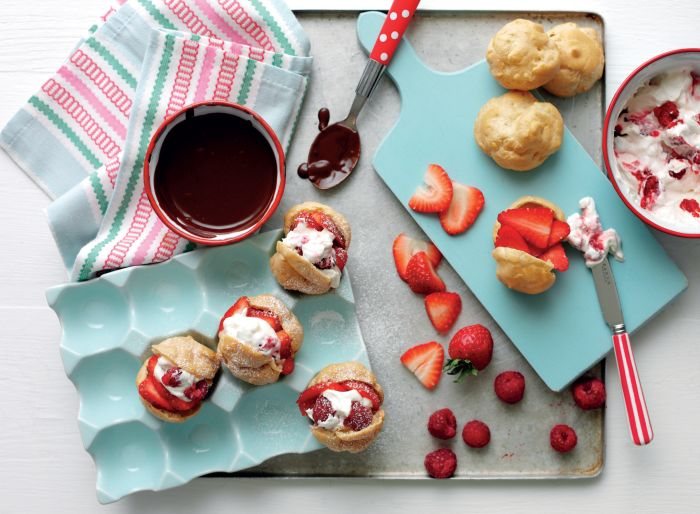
(470, 351)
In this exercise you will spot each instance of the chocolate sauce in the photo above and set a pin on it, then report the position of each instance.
(333, 154)
(324, 116)
(216, 173)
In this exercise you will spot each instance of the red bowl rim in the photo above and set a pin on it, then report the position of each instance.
(268, 212)
(606, 129)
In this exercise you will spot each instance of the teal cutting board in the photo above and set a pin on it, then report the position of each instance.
(560, 332)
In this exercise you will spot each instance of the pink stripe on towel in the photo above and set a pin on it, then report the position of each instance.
(90, 97)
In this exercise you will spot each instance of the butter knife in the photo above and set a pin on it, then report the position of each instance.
(635, 405)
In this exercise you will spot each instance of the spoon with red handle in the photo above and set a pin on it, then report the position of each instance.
(336, 150)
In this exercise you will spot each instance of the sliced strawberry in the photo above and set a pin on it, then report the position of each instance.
(560, 231)
(151, 364)
(307, 398)
(443, 309)
(285, 344)
(366, 391)
(406, 247)
(533, 223)
(425, 361)
(534, 251)
(421, 275)
(241, 303)
(308, 218)
(272, 319)
(467, 202)
(176, 404)
(326, 222)
(436, 192)
(341, 258)
(557, 256)
(508, 237)
(288, 366)
(148, 389)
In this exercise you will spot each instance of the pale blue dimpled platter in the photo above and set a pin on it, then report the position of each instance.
(561, 332)
(108, 326)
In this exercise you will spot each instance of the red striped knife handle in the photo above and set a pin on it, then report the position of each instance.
(637, 415)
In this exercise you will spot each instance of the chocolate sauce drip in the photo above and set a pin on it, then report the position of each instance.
(333, 154)
(324, 116)
(216, 173)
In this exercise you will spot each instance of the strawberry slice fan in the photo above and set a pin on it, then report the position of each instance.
(83, 136)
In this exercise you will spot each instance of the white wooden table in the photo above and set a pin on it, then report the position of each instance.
(43, 467)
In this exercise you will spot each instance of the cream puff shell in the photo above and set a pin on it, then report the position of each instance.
(519, 270)
(521, 56)
(186, 353)
(517, 131)
(245, 362)
(582, 59)
(294, 272)
(344, 439)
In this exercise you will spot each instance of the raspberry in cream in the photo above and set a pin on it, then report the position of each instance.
(657, 147)
(587, 235)
(339, 406)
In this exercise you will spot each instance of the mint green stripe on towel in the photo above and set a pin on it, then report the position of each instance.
(112, 61)
(247, 80)
(274, 26)
(54, 118)
(157, 15)
(135, 175)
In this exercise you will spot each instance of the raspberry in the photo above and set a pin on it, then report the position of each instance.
(172, 377)
(197, 391)
(441, 463)
(360, 417)
(650, 190)
(589, 393)
(442, 424)
(562, 438)
(322, 409)
(476, 434)
(692, 206)
(666, 113)
(678, 174)
(510, 386)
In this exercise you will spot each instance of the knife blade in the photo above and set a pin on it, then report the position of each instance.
(607, 294)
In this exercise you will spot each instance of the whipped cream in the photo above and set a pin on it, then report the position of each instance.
(186, 379)
(587, 235)
(315, 246)
(255, 332)
(657, 147)
(341, 401)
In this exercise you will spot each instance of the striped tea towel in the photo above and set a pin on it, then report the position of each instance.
(83, 136)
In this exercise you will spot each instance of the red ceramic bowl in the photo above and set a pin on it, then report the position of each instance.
(669, 61)
(151, 161)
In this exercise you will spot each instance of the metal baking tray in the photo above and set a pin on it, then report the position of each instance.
(391, 317)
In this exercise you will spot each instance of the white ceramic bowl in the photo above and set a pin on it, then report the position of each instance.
(669, 61)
